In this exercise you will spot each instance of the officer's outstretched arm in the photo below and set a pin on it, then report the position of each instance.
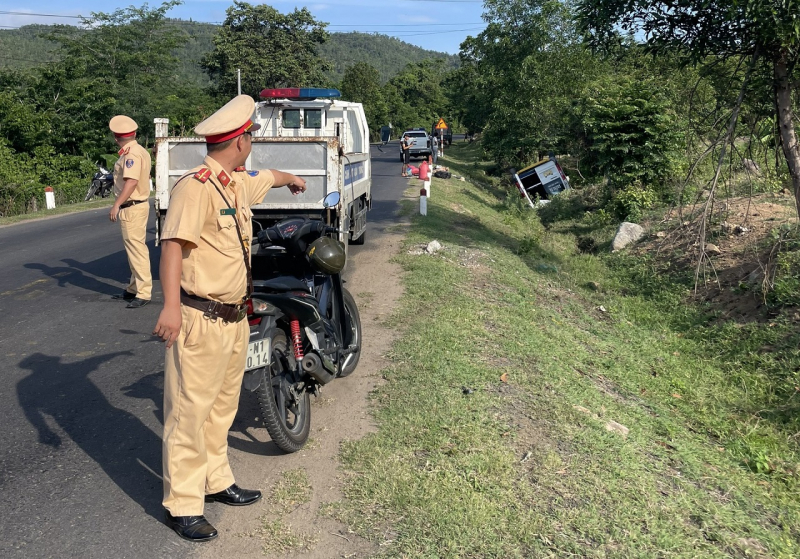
(293, 182)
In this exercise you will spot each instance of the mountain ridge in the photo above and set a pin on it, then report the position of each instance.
(26, 47)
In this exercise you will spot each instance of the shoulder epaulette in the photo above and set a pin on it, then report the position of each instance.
(203, 174)
(127, 150)
(240, 169)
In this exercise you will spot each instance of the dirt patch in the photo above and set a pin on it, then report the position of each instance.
(738, 259)
(271, 528)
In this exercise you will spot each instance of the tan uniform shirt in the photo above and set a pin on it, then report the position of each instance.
(133, 163)
(213, 264)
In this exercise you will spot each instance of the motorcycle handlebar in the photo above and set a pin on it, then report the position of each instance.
(273, 235)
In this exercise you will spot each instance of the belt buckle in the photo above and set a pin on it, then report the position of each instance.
(241, 312)
(210, 313)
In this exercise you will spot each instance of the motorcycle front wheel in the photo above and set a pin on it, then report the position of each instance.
(91, 191)
(353, 337)
(286, 410)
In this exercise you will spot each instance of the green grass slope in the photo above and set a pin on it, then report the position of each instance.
(543, 402)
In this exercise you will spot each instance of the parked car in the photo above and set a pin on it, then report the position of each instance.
(420, 143)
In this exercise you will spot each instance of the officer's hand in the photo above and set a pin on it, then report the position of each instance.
(297, 186)
(112, 215)
(169, 325)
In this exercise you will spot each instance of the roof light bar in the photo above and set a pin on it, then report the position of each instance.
(299, 93)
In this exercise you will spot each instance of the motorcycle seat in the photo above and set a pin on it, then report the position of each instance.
(281, 283)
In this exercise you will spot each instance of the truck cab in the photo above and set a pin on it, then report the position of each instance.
(541, 181)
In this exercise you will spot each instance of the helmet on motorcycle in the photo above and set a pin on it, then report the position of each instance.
(326, 255)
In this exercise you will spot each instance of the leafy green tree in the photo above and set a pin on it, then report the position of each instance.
(361, 84)
(765, 34)
(416, 97)
(271, 49)
(519, 76)
(633, 140)
(130, 50)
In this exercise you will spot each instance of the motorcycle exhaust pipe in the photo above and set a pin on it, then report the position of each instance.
(312, 365)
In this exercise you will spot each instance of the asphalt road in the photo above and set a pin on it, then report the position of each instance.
(81, 397)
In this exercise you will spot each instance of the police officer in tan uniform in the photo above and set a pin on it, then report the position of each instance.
(205, 259)
(131, 208)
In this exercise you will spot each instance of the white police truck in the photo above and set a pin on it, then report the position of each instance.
(304, 131)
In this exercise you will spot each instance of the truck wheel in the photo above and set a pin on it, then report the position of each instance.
(360, 240)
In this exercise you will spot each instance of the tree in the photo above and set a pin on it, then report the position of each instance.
(361, 84)
(271, 49)
(765, 34)
(520, 75)
(415, 97)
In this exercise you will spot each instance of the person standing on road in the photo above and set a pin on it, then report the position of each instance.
(132, 209)
(206, 278)
(405, 145)
(435, 147)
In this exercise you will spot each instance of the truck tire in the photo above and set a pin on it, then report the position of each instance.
(360, 240)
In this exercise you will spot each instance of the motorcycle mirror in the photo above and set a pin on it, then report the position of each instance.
(331, 200)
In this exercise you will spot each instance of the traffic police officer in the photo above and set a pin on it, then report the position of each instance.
(131, 208)
(205, 276)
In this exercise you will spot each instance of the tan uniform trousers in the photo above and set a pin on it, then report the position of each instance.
(133, 221)
(202, 380)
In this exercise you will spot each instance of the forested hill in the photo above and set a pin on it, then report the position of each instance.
(26, 46)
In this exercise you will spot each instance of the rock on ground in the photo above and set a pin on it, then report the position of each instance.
(626, 234)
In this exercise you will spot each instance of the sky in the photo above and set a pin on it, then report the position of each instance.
(439, 25)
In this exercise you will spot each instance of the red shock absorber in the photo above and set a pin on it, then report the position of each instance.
(297, 340)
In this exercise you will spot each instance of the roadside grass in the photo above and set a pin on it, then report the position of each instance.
(526, 414)
(291, 491)
(59, 210)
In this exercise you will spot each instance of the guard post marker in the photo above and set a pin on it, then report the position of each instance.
(423, 202)
(426, 186)
(50, 198)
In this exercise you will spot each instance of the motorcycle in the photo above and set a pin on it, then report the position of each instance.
(101, 185)
(305, 328)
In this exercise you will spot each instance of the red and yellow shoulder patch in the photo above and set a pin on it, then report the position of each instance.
(203, 174)
(124, 151)
(240, 169)
(224, 178)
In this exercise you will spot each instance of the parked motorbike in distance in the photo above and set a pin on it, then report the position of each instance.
(305, 328)
(101, 185)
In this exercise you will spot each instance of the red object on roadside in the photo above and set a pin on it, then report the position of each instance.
(424, 171)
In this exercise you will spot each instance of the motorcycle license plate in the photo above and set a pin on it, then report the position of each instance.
(257, 354)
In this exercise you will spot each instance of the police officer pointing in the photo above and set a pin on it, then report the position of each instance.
(131, 208)
(205, 276)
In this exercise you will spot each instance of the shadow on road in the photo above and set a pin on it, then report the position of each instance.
(66, 276)
(118, 441)
(247, 419)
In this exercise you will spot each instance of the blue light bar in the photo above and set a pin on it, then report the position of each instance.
(300, 93)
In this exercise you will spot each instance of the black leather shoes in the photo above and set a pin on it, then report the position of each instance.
(235, 496)
(137, 303)
(192, 528)
(125, 295)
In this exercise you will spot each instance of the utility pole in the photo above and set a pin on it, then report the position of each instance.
(239, 80)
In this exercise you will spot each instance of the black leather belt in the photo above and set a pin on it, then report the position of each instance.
(130, 203)
(215, 309)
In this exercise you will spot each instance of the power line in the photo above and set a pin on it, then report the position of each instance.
(38, 15)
